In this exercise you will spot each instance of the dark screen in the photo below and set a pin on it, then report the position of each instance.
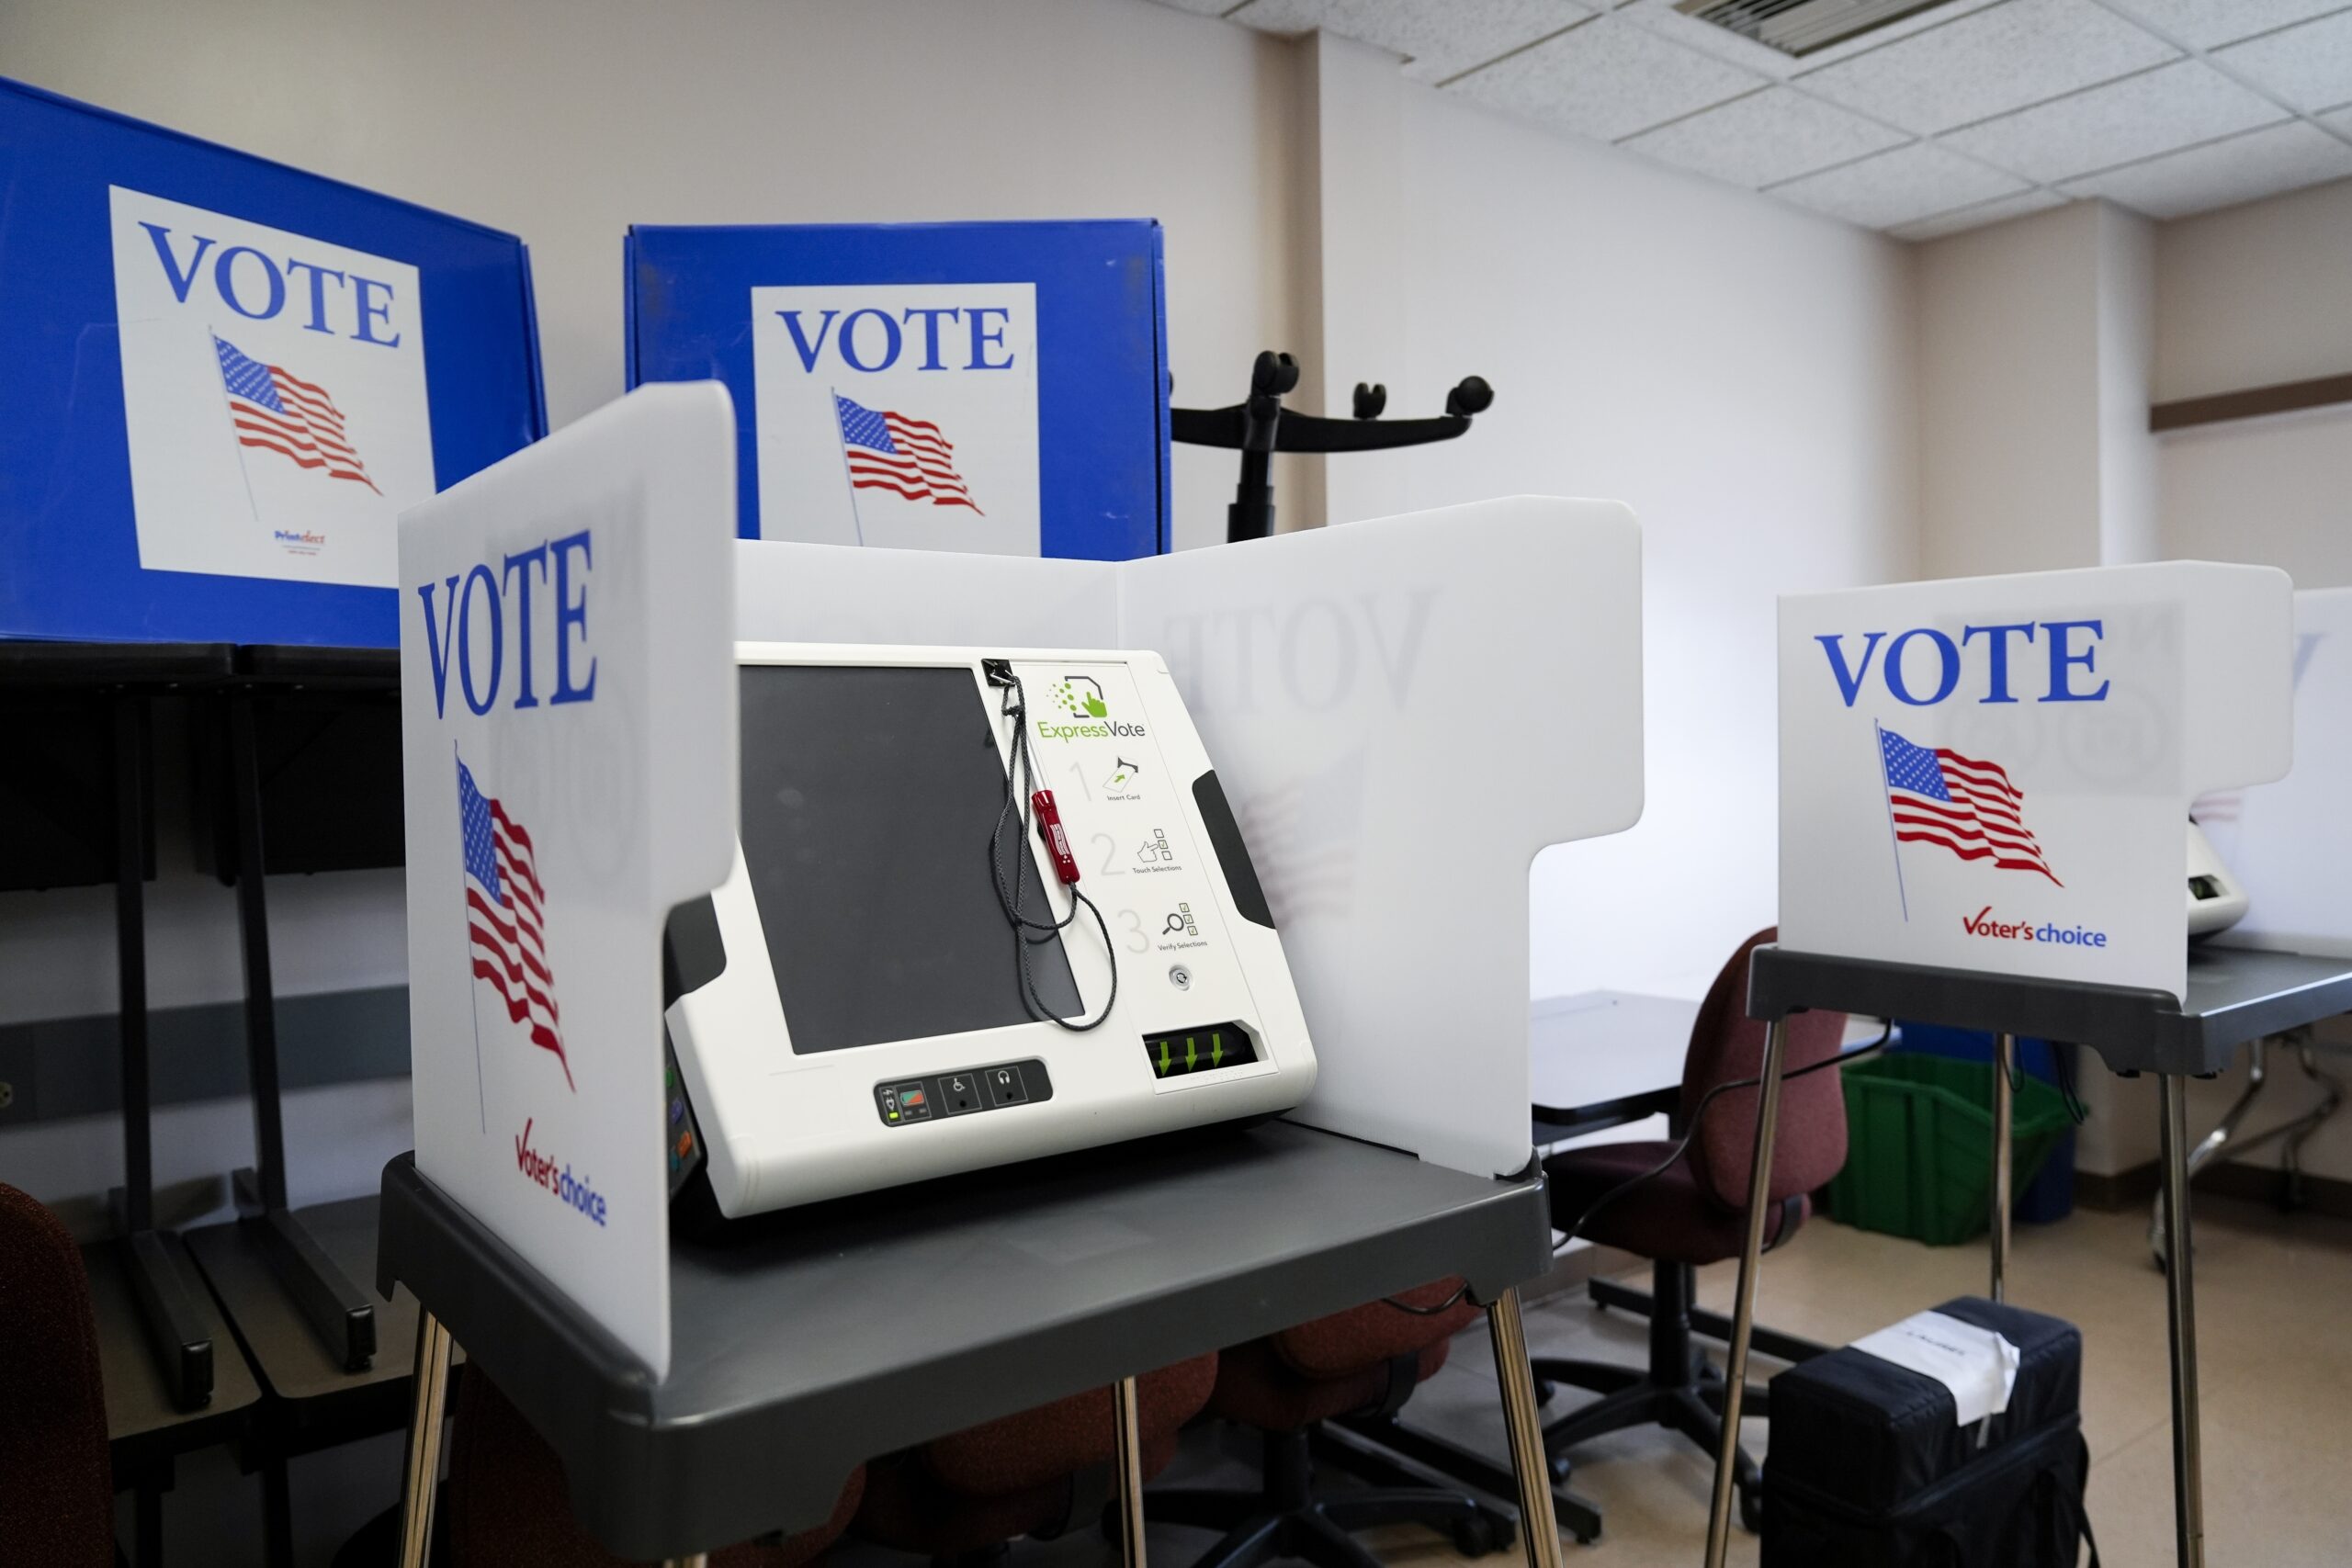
(869, 793)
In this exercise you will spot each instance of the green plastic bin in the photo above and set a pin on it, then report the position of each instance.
(1919, 1146)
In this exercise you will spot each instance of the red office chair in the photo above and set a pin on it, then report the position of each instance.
(56, 1479)
(1366, 1361)
(1695, 1213)
(1040, 1473)
(506, 1506)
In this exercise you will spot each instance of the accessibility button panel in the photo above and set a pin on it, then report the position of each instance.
(965, 1091)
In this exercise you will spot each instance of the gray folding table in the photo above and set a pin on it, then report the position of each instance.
(809, 1341)
(2233, 996)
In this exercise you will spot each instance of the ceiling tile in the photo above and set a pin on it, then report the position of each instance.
(1438, 37)
(2205, 24)
(1202, 7)
(2157, 112)
(2220, 174)
(1998, 209)
(1764, 138)
(2340, 122)
(1606, 79)
(1901, 186)
(1989, 63)
(2310, 65)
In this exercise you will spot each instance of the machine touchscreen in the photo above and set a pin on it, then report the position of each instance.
(869, 796)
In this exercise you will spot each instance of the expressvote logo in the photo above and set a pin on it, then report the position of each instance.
(898, 414)
(274, 395)
(1080, 696)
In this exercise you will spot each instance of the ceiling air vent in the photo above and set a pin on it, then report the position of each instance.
(1800, 26)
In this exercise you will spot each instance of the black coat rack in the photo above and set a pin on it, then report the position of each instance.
(1258, 429)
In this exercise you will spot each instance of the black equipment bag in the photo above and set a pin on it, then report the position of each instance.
(1868, 1467)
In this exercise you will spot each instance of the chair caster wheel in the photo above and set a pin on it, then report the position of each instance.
(1545, 1388)
(1478, 1535)
(1751, 1510)
(1559, 1465)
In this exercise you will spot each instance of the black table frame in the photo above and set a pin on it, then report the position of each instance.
(339, 1311)
(124, 678)
(741, 1438)
(2231, 996)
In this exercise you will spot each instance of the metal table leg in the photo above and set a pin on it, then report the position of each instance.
(1521, 1421)
(166, 1299)
(1743, 1318)
(338, 1309)
(419, 1484)
(1127, 1452)
(2188, 1465)
(2290, 1157)
(2005, 1065)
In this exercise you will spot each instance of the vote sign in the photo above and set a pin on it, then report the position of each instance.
(225, 380)
(272, 390)
(568, 745)
(980, 387)
(1993, 774)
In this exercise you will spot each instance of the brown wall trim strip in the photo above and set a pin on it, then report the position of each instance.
(2288, 397)
(2135, 1187)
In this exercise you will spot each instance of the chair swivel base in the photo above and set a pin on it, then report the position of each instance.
(1286, 1519)
(1708, 1325)
(1679, 1391)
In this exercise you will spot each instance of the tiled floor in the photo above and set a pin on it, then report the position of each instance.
(2275, 1327)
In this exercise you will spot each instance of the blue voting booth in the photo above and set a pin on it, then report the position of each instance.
(999, 388)
(225, 379)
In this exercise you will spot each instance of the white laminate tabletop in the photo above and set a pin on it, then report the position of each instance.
(1600, 1046)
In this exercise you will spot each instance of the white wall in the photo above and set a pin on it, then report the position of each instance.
(2250, 296)
(2255, 295)
(1739, 372)
(2009, 390)
(2129, 528)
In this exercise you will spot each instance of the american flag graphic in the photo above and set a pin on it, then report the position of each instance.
(503, 903)
(1938, 797)
(281, 414)
(1303, 834)
(906, 456)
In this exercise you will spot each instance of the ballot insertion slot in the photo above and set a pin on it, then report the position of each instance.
(1185, 1052)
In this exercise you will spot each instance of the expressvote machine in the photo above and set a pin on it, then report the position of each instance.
(985, 905)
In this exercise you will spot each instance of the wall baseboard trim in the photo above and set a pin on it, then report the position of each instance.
(61, 1069)
(2136, 1188)
(2132, 1188)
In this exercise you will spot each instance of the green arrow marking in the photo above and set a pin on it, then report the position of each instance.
(1163, 1058)
(1217, 1049)
(1190, 1056)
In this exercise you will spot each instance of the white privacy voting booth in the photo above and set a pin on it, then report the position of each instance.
(568, 744)
(1983, 785)
(2289, 844)
(1403, 713)
(1992, 773)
